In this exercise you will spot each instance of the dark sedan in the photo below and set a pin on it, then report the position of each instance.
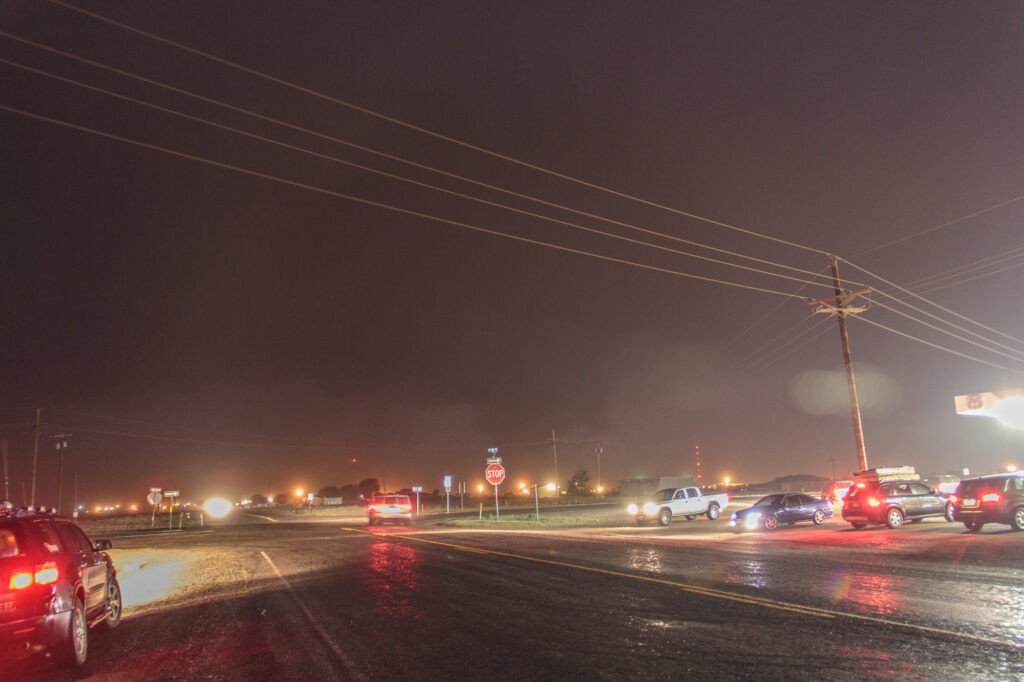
(772, 510)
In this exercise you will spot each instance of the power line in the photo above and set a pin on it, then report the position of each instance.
(425, 131)
(937, 346)
(1019, 356)
(353, 145)
(921, 298)
(409, 180)
(937, 227)
(761, 366)
(929, 289)
(368, 202)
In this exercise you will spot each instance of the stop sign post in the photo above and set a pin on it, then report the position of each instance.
(495, 474)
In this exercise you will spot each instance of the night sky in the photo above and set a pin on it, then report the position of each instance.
(222, 332)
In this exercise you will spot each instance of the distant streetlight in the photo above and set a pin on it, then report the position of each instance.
(298, 492)
(727, 480)
(480, 488)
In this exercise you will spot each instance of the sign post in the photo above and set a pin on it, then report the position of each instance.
(170, 517)
(495, 474)
(418, 489)
(154, 497)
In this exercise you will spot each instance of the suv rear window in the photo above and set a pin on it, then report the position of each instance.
(8, 543)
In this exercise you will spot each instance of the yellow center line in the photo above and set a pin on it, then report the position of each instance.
(704, 591)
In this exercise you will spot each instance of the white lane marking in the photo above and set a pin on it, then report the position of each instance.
(334, 647)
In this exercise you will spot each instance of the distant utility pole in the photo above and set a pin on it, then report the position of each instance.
(554, 452)
(62, 445)
(35, 459)
(838, 305)
(7, 480)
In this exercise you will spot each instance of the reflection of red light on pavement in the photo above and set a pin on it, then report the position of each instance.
(868, 592)
(393, 580)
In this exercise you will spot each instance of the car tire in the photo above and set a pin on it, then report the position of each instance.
(73, 647)
(664, 517)
(818, 518)
(973, 526)
(1017, 518)
(714, 511)
(770, 523)
(949, 512)
(894, 518)
(858, 524)
(114, 605)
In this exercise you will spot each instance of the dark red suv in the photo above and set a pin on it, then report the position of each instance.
(990, 499)
(54, 585)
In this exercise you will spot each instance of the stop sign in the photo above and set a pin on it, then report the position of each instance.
(495, 474)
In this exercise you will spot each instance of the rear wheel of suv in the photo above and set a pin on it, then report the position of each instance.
(1017, 519)
(894, 519)
(949, 512)
(73, 647)
(113, 618)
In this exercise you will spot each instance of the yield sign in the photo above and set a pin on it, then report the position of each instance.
(495, 474)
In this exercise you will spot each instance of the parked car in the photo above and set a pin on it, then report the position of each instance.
(891, 502)
(383, 507)
(686, 502)
(55, 584)
(773, 510)
(990, 499)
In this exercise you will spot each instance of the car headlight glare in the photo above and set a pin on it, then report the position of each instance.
(650, 508)
(753, 520)
(632, 509)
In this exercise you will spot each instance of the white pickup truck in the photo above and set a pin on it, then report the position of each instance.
(686, 502)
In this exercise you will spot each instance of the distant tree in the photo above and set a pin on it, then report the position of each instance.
(257, 499)
(368, 486)
(578, 483)
(350, 493)
(282, 498)
(329, 491)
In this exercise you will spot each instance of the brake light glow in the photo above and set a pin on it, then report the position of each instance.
(953, 498)
(873, 502)
(405, 507)
(46, 574)
(20, 580)
(990, 497)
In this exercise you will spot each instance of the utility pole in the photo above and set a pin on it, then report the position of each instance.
(35, 459)
(840, 308)
(7, 480)
(554, 452)
(62, 445)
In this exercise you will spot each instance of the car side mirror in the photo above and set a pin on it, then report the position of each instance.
(103, 545)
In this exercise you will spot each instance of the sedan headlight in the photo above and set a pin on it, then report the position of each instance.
(632, 509)
(753, 520)
(650, 508)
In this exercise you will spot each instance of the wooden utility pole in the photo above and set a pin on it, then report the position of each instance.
(35, 459)
(840, 308)
(554, 452)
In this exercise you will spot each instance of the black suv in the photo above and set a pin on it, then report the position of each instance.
(54, 585)
(990, 499)
(893, 502)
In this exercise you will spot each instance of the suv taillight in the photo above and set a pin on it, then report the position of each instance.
(44, 574)
(873, 502)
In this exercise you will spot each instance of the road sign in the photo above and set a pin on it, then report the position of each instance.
(495, 473)
(447, 484)
(417, 488)
(172, 493)
(155, 497)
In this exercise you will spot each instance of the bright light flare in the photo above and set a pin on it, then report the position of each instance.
(217, 507)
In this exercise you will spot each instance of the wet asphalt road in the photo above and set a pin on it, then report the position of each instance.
(341, 600)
